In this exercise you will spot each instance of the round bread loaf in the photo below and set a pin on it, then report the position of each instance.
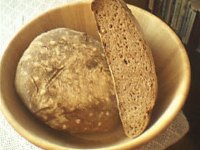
(63, 78)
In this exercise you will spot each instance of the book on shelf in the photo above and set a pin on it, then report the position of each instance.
(193, 36)
(176, 13)
(182, 15)
(189, 25)
(158, 8)
(151, 5)
(168, 10)
(185, 20)
(164, 9)
(171, 13)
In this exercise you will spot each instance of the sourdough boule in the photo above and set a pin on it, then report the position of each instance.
(64, 80)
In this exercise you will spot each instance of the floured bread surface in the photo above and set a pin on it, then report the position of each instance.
(63, 78)
(130, 61)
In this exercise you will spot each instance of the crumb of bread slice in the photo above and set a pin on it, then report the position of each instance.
(130, 61)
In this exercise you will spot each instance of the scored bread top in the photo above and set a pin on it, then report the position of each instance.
(130, 61)
(63, 78)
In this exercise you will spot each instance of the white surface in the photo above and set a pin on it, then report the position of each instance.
(13, 15)
(10, 140)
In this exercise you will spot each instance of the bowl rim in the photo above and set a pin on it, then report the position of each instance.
(162, 123)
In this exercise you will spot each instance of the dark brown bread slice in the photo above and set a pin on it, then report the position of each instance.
(130, 61)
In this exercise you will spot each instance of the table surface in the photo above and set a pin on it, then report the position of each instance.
(13, 15)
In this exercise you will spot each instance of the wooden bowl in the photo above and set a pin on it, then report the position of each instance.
(172, 66)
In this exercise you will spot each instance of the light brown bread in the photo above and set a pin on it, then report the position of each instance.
(131, 63)
(63, 78)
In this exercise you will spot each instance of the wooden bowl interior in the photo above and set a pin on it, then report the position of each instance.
(171, 66)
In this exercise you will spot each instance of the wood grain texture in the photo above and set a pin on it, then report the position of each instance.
(172, 68)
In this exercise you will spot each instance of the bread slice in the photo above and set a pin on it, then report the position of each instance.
(130, 61)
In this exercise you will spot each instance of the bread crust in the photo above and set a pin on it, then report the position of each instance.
(64, 80)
